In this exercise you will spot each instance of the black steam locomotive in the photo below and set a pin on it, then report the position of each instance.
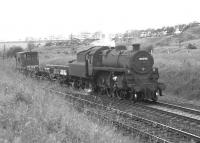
(116, 72)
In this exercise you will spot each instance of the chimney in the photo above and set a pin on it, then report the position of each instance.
(136, 47)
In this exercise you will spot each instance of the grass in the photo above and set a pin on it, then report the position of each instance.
(29, 113)
(54, 55)
(58, 55)
(180, 72)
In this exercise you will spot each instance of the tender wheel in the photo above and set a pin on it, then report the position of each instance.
(117, 93)
(113, 93)
(101, 91)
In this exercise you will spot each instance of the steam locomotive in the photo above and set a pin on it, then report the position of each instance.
(116, 72)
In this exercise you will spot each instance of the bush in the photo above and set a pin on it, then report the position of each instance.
(49, 44)
(191, 46)
(13, 50)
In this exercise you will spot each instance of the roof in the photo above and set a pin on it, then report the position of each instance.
(97, 48)
(94, 49)
(26, 52)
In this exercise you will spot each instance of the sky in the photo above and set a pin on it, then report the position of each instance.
(42, 18)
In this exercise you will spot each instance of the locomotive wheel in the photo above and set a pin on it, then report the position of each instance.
(131, 96)
(76, 85)
(114, 93)
(107, 91)
(101, 91)
(123, 94)
(119, 94)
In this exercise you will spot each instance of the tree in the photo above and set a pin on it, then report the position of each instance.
(191, 46)
(13, 50)
(170, 30)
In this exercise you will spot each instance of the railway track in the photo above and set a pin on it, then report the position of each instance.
(170, 117)
(189, 114)
(181, 108)
(154, 131)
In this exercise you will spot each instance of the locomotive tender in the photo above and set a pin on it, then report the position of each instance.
(116, 72)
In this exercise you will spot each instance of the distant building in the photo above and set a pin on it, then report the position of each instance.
(82, 36)
(177, 31)
(103, 42)
(98, 35)
(88, 35)
(85, 35)
(145, 34)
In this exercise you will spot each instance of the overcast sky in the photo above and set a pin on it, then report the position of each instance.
(39, 18)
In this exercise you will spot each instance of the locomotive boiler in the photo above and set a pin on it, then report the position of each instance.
(135, 60)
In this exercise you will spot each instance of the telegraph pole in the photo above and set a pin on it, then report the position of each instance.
(4, 51)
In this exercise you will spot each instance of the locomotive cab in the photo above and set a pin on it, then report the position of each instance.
(86, 61)
(82, 69)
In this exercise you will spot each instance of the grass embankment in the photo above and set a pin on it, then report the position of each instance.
(180, 71)
(29, 113)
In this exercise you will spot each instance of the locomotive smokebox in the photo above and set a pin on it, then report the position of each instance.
(136, 47)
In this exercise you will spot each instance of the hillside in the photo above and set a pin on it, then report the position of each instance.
(62, 54)
(191, 34)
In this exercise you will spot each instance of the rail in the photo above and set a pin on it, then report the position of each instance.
(133, 118)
